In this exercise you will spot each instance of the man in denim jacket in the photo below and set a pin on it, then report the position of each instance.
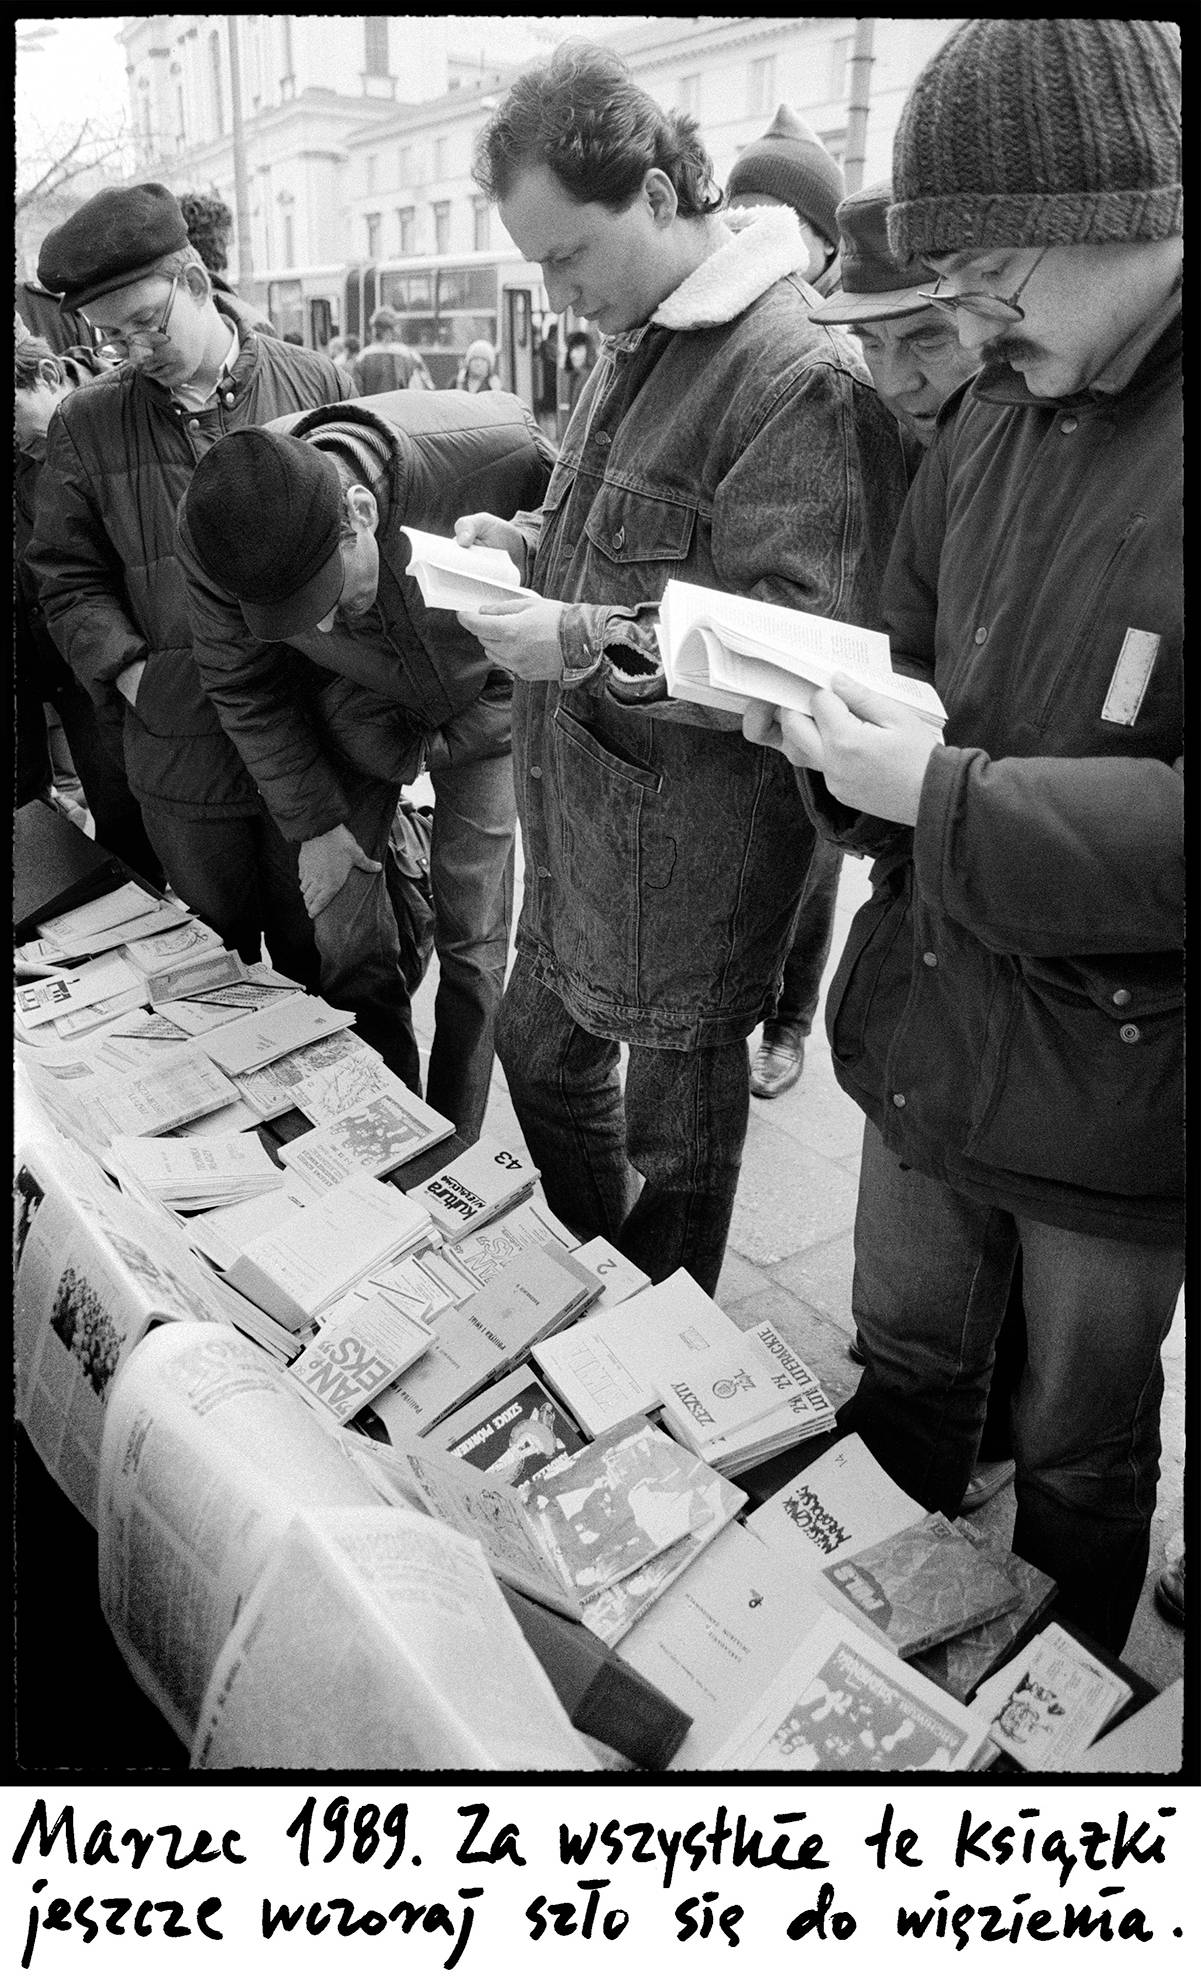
(722, 439)
(1008, 1008)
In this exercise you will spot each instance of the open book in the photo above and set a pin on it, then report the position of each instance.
(725, 652)
(455, 578)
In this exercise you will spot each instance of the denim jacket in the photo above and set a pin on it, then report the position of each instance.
(731, 443)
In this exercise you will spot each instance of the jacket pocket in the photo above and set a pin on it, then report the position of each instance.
(870, 985)
(599, 833)
(1088, 1092)
(627, 529)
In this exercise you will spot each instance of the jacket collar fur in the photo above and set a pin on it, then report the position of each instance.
(762, 244)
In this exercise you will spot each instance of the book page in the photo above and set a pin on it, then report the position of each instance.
(455, 577)
(207, 1456)
(380, 1640)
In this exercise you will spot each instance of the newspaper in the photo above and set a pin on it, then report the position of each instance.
(208, 1454)
(380, 1640)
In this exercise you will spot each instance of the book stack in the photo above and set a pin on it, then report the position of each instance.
(482, 1339)
(296, 1269)
(360, 1348)
(190, 1175)
(127, 914)
(919, 1586)
(371, 1138)
(475, 1187)
(745, 1400)
(528, 1224)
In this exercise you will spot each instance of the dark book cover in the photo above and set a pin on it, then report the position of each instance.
(515, 1431)
(922, 1585)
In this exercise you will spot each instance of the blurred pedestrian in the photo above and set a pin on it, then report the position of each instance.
(478, 372)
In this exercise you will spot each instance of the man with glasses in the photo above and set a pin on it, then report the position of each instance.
(118, 459)
(1008, 1009)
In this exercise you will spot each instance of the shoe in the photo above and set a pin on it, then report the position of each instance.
(855, 1353)
(1169, 1593)
(778, 1063)
(985, 1482)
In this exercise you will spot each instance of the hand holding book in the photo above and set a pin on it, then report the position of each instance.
(871, 749)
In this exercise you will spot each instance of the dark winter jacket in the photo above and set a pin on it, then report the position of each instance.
(1008, 1009)
(408, 670)
(731, 443)
(119, 455)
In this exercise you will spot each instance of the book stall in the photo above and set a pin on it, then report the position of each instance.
(387, 1470)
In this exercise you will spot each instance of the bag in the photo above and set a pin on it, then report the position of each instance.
(408, 873)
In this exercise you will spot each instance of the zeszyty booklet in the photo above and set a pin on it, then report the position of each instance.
(726, 652)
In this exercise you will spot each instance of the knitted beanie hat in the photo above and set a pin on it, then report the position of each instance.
(791, 163)
(1024, 133)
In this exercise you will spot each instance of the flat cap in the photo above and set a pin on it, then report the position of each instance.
(876, 283)
(264, 514)
(114, 239)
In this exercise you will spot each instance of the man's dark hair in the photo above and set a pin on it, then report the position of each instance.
(582, 115)
(210, 225)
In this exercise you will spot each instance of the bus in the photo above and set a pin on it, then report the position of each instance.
(443, 303)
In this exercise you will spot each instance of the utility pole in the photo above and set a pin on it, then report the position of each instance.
(241, 182)
(857, 104)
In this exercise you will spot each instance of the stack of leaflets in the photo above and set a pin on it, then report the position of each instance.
(194, 1175)
(304, 1263)
(476, 1186)
(371, 1138)
(620, 1278)
(485, 1251)
(671, 1346)
(1047, 1704)
(514, 1431)
(221, 1235)
(361, 1346)
(253, 1040)
(456, 578)
(99, 981)
(727, 652)
(260, 987)
(128, 913)
(841, 1704)
(321, 1080)
(919, 1586)
(484, 1338)
(165, 949)
(92, 1105)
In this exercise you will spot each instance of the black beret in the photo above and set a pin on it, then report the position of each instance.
(264, 512)
(113, 240)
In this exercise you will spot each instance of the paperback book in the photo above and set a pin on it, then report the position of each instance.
(453, 577)
(358, 1352)
(962, 1662)
(296, 1269)
(514, 1431)
(919, 1586)
(836, 1505)
(372, 1139)
(527, 1224)
(476, 1186)
(253, 1040)
(1047, 1704)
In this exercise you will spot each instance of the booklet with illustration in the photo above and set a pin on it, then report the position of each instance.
(726, 652)
(457, 578)
(919, 1586)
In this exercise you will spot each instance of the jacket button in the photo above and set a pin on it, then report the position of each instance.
(193, 426)
(535, 769)
(543, 872)
(930, 959)
(603, 439)
(1068, 424)
(229, 398)
(898, 1099)
(1130, 1034)
(1121, 998)
(980, 634)
(619, 536)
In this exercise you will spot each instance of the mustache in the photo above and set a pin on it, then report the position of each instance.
(1010, 350)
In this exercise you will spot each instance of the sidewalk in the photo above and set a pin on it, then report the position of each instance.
(790, 1257)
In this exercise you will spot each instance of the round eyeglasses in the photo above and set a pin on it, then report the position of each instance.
(122, 341)
(990, 308)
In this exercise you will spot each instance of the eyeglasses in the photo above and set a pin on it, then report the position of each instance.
(990, 308)
(120, 341)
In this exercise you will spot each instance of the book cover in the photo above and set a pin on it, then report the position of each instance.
(514, 1431)
(615, 1363)
(1047, 1704)
(613, 1612)
(475, 1186)
(524, 1225)
(166, 947)
(841, 1704)
(964, 1661)
(357, 1354)
(618, 1276)
(297, 1268)
(248, 1042)
(621, 1500)
(919, 1586)
(839, 1503)
(372, 1139)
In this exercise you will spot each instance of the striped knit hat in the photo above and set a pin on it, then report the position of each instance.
(1023, 133)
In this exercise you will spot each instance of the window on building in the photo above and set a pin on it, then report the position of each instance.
(441, 226)
(440, 149)
(215, 83)
(180, 121)
(406, 226)
(840, 66)
(375, 44)
(761, 85)
(371, 220)
(287, 72)
(289, 241)
(404, 165)
(481, 224)
(688, 91)
(372, 166)
(836, 144)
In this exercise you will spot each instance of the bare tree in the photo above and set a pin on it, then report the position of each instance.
(44, 172)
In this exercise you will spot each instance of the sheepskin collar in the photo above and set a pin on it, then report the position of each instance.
(762, 244)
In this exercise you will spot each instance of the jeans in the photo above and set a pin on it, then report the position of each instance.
(471, 875)
(654, 1171)
(932, 1277)
(239, 875)
(811, 937)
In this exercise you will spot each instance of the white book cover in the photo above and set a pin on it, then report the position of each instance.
(750, 650)
(222, 1234)
(476, 1185)
(525, 1225)
(59, 996)
(153, 920)
(619, 1278)
(296, 1269)
(407, 1285)
(841, 1704)
(727, 1390)
(357, 1354)
(253, 1040)
(616, 1363)
(836, 1505)
(454, 577)
(373, 1138)
(322, 1080)
(1047, 1704)
(166, 946)
(195, 1173)
(124, 903)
